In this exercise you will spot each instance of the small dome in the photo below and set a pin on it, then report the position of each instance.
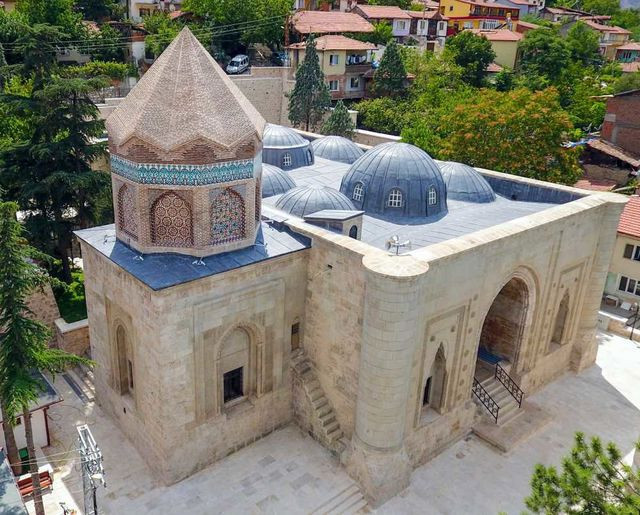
(277, 136)
(465, 183)
(397, 179)
(337, 148)
(285, 148)
(275, 181)
(305, 200)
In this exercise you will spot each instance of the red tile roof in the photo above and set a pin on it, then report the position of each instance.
(630, 67)
(337, 42)
(498, 34)
(612, 150)
(527, 25)
(321, 22)
(494, 68)
(631, 45)
(606, 28)
(587, 183)
(383, 12)
(630, 218)
(427, 15)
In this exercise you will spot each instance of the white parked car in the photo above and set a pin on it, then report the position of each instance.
(238, 64)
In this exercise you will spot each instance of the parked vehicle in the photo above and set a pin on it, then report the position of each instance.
(238, 64)
(278, 58)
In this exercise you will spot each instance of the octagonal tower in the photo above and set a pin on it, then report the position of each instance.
(186, 159)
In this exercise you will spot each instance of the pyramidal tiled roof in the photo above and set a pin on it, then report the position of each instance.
(185, 95)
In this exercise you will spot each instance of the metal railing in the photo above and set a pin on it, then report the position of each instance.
(511, 386)
(486, 399)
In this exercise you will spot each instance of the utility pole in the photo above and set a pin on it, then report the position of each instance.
(92, 469)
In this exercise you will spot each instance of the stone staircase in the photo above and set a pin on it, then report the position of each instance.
(509, 408)
(325, 426)
(347, 502)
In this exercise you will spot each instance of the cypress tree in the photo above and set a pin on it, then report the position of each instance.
(390, 77)
(339, 123)
(310, 97)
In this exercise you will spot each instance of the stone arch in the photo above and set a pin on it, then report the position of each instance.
(353, 232)
(171, 221)
(559, 334)
(434, 388)
(127, 212)
(227, 216)
(124, 361)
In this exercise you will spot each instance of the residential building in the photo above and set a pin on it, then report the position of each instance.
(623, 279)
(333, 22)
(524, 26)
(628, 53)
(561, 14)
(632, 67)
(504, 43)
(610, 37)
(249, 313)
(140, 8)
(428, 26)
(622, 121)
(525, 7)
(399, 20)
(478, 14)
(344, 61)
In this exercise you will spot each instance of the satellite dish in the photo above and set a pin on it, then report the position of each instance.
(394, 243)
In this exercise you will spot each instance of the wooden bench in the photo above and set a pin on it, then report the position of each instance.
(25, 483)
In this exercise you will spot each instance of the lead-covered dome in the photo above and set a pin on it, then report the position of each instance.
(465, 183)
(336, 148)
(398, 179)
(305, 200)
(275, 181)
(285, 148)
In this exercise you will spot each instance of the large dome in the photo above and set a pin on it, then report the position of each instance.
(397, 179)
(337, 148)
(275, 181)
(465, 183)
(285, 148)
(305, 200)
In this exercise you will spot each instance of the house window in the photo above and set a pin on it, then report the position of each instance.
(423, 25)
(395, 198)
(145, 12)
(358, 192)
(490, 24)
(468, 25)
(432, 196)
(442, 26)
(124, 353)
(451, 7)
(295, 336)
(354, 82)
(629, 285)
(286, 159)
(233, 385)
(401, 25)
(333, 85)
(334, 59)
(353, 232)
(632, 252)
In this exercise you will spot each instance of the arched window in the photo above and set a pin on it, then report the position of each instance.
(171, 222)
(433, 394)
(227, 217)
(127, 221)
(432, 196)
(235, 366)
(125, 362)
(286, 160)
(309, 157)
(353, 232)
(395, 198)
(559, 335)
(358, 192)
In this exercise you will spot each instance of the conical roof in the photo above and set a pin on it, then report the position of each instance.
(185, 96)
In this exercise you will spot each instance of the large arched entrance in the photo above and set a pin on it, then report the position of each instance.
(503, 327)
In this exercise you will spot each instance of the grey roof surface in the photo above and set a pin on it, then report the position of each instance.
(333, 214)
(277, 136)
(337, 148)
(465, 183)
(159, 271)
(10, 499)
(463, 217)
(305, 200)
(401, 166)
(46, 397)
(275, 181)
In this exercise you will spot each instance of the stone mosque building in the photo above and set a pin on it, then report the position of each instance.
(384, 302)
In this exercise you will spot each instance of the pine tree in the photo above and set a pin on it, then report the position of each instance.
(310, 97)
(390, 77)
(339, 123)
(24, 340)
(594, 479)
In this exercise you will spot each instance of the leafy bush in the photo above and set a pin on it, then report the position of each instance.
(71, 298)
(382, 114)
(101, 68)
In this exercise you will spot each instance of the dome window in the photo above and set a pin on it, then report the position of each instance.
(286, 159)
(309, 157)
(358, 192)
(395, 198)
(432, 196)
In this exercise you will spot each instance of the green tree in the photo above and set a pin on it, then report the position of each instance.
(604, 7)
(382, 114)
(24, 341)
(310, 97)
(522, 133)
(403, 4)
(390, 78)
(59, 13)
(544, 57)
(626, 82)
(473, 54)
(162, 30)
(594, 480)
(98, 10)
(583, 44)
(339, 122)
(504, 80)
(104, 45)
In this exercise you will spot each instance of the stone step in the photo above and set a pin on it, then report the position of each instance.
(349, 505)
(335, 435)
(357, 506)
(327, 419)
(319, 402)
(323, 410)
(336, 500)
(315, 394)
(331, 426)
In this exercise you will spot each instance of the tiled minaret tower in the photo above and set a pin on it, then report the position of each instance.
(186, 157)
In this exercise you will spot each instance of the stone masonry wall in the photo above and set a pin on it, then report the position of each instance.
(74, 337)
(43, 304)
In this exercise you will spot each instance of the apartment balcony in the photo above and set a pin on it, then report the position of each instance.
(358, 68)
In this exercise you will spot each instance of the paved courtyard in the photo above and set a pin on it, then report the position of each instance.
(288, 472)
